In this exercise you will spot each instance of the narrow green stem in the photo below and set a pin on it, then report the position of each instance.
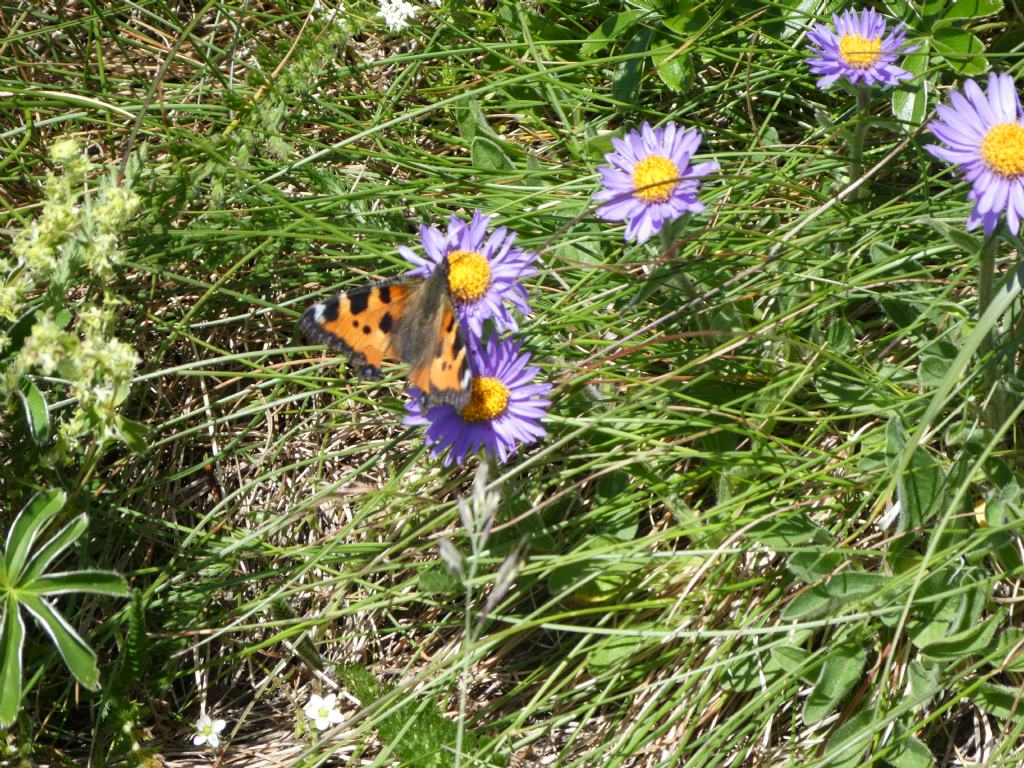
(857, 143)
(986, 285)
(986, 277)
(678, 277)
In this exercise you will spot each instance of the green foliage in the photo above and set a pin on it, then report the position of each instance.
(414, 732)
(25, 585)
(72, 246)
(778, 515)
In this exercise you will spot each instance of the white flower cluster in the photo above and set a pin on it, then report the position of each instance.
(396, 13)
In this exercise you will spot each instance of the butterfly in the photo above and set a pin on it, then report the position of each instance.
(411, 321)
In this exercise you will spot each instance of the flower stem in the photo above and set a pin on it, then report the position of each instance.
(857, 143)
(679, 277)
(986, 283)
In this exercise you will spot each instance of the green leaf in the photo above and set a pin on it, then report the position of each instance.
(845, 589)
(812, 567)
(1002, 701)
(675, 68)
(924, 682)
(751, 671)
(1011, 644)
(959, 645)
(847, 743)
(910, 752)
(921, 486)
(436, 580)
(930, 10)
(910, 99)
(690, 18)
(488, 155)
(841, 670)
(45, 555)
(961, 50)
(595, 579)
(935, 363)
(611, 29)
(956, 236)
(972, 9)
(794, 530)
(626, 80)
(614, 519)
(615, 652)
(808, 605)
(36, 414)
(793, 660)
(934, 611)
(32, 518)
(134, 434)
(93, 582)
(72, 648)
(11, 643)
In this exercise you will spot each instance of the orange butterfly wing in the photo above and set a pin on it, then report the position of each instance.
(359, 323)
(364, 323)
(445, 377)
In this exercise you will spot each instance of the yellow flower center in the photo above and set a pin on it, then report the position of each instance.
(859, 52)
(654, 178)
(1003, 149)
(488, 401)
(469, 275)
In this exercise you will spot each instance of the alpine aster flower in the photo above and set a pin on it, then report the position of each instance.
(984, 136)
(649, 180)
(504, 410)
(323, 711)
(858, 50)
(483, 272)
(207, 731)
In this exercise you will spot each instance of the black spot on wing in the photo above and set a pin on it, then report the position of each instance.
(451, 323)
(367, 329)
(456, 346)
(439, 350)
(385, 294)
(358, 301)
(386, 322)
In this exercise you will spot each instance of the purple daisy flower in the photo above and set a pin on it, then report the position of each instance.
(858, 50)
(650, 181)
(984, 135)
(504, 410)
(484, 272)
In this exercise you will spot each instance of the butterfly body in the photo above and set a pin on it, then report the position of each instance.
(409, 321)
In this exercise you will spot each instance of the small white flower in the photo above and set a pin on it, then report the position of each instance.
(396, 13)
(322, 711)
(207, 730)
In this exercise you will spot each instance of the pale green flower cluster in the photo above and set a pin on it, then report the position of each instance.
(71, 245)
(77, 227)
